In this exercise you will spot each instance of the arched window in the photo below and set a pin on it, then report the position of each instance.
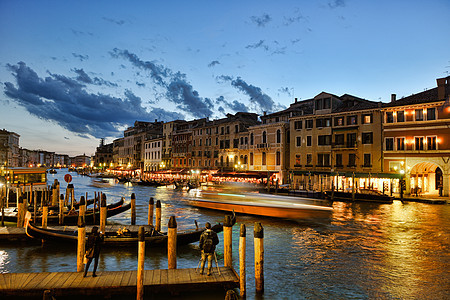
(264, 137)
(251, 138)
(278, 136)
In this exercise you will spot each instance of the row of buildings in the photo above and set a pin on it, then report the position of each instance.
(12, 155)
(325, 142)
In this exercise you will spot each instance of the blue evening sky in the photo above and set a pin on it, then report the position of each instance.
(73, 72)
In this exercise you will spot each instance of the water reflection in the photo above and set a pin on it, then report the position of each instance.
(365, 251)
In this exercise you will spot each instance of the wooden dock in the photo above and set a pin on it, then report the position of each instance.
(114, 283)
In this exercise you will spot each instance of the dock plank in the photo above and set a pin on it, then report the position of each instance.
(115, 282)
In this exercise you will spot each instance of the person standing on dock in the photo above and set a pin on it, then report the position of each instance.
(208, 242)
(93, 247)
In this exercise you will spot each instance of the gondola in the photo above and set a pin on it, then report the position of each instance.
(122, 238)
(76, 205)
(71, 217)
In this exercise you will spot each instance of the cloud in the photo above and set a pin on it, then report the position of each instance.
(259, 44)
(140, 84)
(85, 78)
(117, 22)
(285, 90)
(235, 105)
(336, 3)
(213, 63)
(262, 20)
(175, 85)
(64, 101)
(80, 56)
(296, 17)
(259, 100)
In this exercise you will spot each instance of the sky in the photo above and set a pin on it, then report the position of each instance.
(74, 72)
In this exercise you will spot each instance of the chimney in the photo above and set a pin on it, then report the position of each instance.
(296, 100)
(156, 120)
(393, 97)
(442, 83)
(265, 113)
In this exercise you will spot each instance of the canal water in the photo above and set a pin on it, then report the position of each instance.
(365, 250)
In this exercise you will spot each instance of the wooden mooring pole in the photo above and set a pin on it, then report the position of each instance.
(103, 214)
(242, 250)
(61, 210)
(227, 241)
(19, 212)
(259, 258)
(44, 212)
(82, 208)
(158, 216)
(81, 243)
(133, 209)
(172, 243)
(141, 259)
(151, 203)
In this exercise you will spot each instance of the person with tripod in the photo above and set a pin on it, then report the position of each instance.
(208, 242)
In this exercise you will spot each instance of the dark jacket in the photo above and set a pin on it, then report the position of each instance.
(95, 241)
(208, 233)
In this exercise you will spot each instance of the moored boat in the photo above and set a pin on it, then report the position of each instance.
(118, 238)
(71, 217)
(295, 208)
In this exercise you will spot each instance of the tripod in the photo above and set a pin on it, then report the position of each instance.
(215, 259)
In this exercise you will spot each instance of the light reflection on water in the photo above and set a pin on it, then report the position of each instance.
(365, 251)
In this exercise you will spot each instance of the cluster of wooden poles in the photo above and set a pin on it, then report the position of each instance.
(172, 245)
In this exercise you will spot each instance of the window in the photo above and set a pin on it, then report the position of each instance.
(366, 119)
(298, 160)
(389, 117)
(309, 159)
(325, 122)
(351, 140)
(298, 125)
(339, 139)
(309, 141)
(400, 144)
(278, 136)
(227, 130)
(431, 143)
(401, 116)
(323, 160)
(419, 143)
(217, 141)
(339, 121)
(264, 137)
(251, 158)
(352, 120)
(309, 124)
(389, 144)
(326, 103)
(222, 130)
(324, 140)
(352, 160)
(278, 158)
(367, 160)
(236, 128)
(199, 142)
(263, 158)
(431, 113)
(319, 104)
(338, 160)
(251, 138)
(298, 141)
(419, 114)
(367, 138)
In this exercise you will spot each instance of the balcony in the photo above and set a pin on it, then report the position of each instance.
(262, 146)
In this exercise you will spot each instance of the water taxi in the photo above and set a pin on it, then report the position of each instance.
(296, 208)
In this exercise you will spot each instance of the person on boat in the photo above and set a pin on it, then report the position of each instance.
(208, 242)
(93, 247)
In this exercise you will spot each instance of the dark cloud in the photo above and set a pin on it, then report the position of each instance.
(259, 100)
(85, 78)
(336, 3)
(177, 89)
(140, 84)
(295, 18)
(213, 63)
(235, 105)
(262, 20)
(64, 101)
(117, 22)
(80, 56)
(285, 90)
(259, 44)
